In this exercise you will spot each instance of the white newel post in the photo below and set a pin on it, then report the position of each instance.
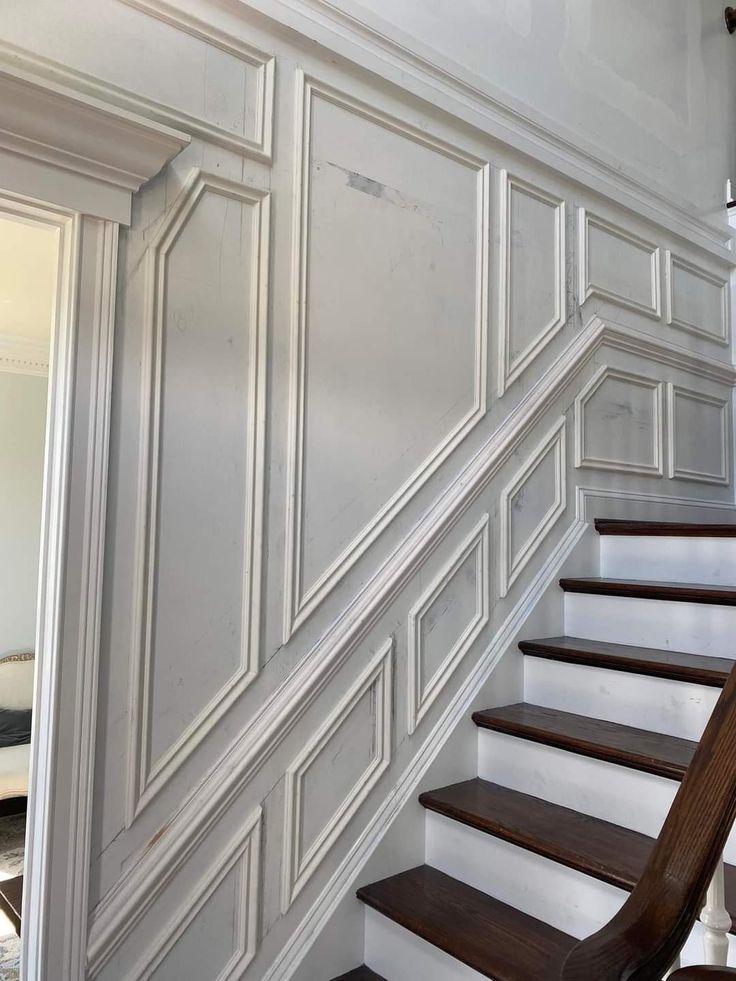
(716, 921)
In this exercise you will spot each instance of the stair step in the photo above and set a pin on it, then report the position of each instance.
(675, 665)
(664, 529)
(361, 973)
(683, 592)
(640, 749)
(490, 937)
(597, 848)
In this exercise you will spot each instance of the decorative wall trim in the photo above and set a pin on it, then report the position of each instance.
(298, 865)
(23, 356)
(512, 563)
(510, 368)
(723, 475)
(588, 288)
(691, 508)
(145, 778)
(242, 853)
(582, 456)
(723, 334)
(260, 146)
(458, 709)
(420, 697)
(90, 139)
(138, 887)
(299, 605)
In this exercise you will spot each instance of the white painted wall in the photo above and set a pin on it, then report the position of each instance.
(22, 435)
(377, 344)
(651, 83)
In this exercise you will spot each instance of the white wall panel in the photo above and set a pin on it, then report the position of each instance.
(699, 435)
(697, 300)
(616, 264)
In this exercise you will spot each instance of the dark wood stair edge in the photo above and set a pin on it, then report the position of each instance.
(663, 529)
(361, 973)
(597, 751)
(647, 589)
(695, 668)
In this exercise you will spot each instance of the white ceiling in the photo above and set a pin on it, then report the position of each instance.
(28, 261)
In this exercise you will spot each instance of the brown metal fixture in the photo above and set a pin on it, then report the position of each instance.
(730, 16)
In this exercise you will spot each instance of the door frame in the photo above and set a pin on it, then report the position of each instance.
(80, 182)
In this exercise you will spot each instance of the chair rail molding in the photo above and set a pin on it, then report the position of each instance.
(23, 356)
(60, 144)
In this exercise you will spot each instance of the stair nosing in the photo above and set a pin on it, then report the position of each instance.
(583, 747)
(548, 649)
(636, 528)
(704, 594)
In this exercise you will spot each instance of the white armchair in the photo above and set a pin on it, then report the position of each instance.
(16, 692)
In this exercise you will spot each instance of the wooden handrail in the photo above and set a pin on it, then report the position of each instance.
(704, 974)
(642, 941)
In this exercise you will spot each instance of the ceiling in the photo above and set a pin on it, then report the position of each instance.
(28, 260)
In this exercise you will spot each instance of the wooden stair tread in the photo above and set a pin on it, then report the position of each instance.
(361, 973)
(639, 749)
(684, 592)
(664, 529)
(675, 665)
(590, 845)
(492, 938)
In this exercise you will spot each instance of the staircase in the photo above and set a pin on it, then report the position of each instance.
(543, 846)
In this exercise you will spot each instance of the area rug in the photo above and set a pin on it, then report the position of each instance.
(12, 844)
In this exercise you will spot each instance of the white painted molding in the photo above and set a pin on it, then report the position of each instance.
(420, 694)
(259, 145)
(510, 367)
(148, 871)
(59, 140)
(299, 603)
(299, 865)
(723, 333)
(689, 506)
(383, 49)
(723, 474)
(583, 458)
(588, 288)
(146, 777)
(22, 356)
(513, 563)
(242, 854)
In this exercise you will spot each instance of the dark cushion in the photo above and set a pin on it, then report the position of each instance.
(15, 727)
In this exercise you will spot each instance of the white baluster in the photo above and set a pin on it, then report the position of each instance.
(716, 921)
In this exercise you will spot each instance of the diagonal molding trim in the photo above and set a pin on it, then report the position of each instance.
(299, 865)
(23, 356)
(134, 893)
(299, 603)
(241, 856)
(146, 777)
(422, 694)
(513, 366)
(513, 562)
(583, 458)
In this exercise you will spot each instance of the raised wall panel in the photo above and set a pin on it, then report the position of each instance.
(699, 436)
(335, 772)
(214, 933)
(202, 443)
(618, 266)
(446, 620)
(531, 504)
(532, 274)
(244, 124)
(390, 328)
(618, 423)
(697, 300)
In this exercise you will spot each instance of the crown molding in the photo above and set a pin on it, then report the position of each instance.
(90, 154)
(22, 356)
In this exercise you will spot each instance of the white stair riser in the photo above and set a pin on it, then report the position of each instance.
(695, 628)
(400, 955)
(658, 704)
(633, 799)
(568, 900)
(702, 560)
